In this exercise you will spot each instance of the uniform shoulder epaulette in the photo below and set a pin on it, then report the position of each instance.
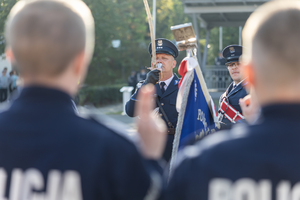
(112, 124)
(139, 84)
(193, 151)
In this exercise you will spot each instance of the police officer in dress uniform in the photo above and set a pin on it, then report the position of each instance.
(259, 161)
(166, 86)
(229, 109)
(47, 151)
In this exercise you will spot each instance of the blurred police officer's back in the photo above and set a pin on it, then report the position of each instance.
(47, 151)
(260, 161)
(229, 109)
(166, 52)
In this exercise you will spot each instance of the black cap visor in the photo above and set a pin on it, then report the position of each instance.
(165, 50)
(232, 59)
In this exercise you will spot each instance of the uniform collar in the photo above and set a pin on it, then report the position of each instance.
(238, 87)
(173, 85)
(168, 81)
(290, 110)
(238, 83)
(45, 96)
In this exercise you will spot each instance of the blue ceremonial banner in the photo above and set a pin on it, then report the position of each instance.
(197, 114)
(198, 120)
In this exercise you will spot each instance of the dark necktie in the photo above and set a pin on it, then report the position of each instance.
(233, 88)
(162, 87)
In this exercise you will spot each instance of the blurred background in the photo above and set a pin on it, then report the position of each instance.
(122, 39)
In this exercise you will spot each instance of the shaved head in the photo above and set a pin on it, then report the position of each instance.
(271, 56)
(46, 35)
(272, 40)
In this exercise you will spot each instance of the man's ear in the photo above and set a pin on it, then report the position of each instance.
(174, 63)
(9, 55)
(248, 73)
(80, 65)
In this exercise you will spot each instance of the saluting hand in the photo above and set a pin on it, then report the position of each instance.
(152, 130)
(250, 107)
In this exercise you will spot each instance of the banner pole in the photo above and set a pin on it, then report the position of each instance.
(151, 34)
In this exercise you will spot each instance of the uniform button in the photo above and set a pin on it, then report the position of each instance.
(162, 104)
(160, 114)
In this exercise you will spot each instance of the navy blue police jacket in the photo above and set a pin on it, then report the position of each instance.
(168, 103)
(232, 97)
(46, 150)
(260, 161)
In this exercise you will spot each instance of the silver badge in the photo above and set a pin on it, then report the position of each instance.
(231, 49)
(159, 42)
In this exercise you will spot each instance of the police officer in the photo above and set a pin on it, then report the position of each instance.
(47, 151)
(220, 60)
(229, 109)
(258, 161)
(166, 84)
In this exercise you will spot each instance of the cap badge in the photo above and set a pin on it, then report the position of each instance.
(231, 49)
(159, 42)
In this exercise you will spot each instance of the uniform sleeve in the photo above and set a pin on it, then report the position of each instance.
(176, 188)
(131, 176)
(129, 107)
(220, 100)
(196, 168)
(189, 181)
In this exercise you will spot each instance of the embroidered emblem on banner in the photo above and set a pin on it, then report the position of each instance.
(201, 118)
(195, 90)
(205, 130)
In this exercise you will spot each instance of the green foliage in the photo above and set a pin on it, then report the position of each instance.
(117, 20)
(230, 36)
(5, 7)
(127, 22)
(169, 13)
(100, 95)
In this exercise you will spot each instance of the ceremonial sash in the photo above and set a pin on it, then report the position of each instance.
(229, 112)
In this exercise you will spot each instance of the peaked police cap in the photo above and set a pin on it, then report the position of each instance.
(164, 46)
(232, 53)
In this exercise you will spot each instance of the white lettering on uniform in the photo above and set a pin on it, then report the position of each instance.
(249, 189)
(283, 190)
(296, 192)
(219, 189)
(33, 180)
(265, 190)
(29, 185)
(71, 186)
(244, 189)
(15, 186)
(53, 182)
(3, 177)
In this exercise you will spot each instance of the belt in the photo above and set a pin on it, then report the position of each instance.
(229, 112)
(171, 131)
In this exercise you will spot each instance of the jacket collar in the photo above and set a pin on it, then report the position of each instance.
(44, 97)
(173, 86)
(239, 87)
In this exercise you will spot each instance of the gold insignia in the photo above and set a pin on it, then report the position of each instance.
(231, 49)
(159, 42)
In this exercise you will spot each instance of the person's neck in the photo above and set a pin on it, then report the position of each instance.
(236, 82)
(166, 76)
(286, 94)
(61, 83)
